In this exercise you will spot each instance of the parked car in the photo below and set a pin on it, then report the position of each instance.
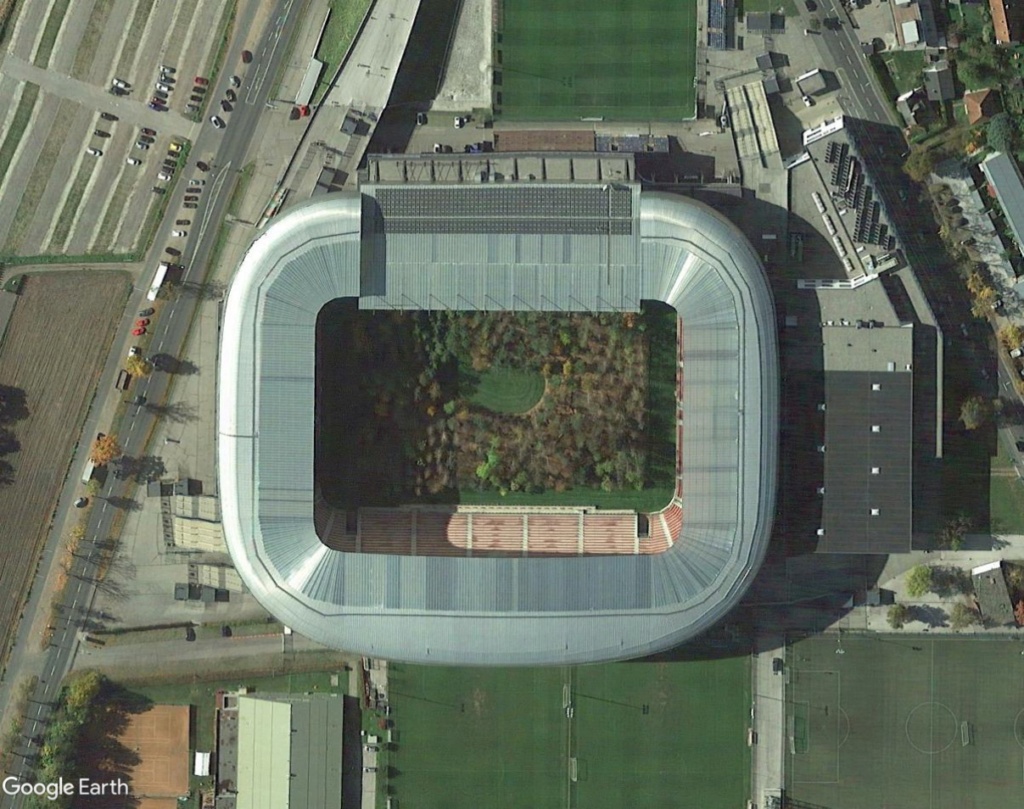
(231, 96)
(146, 139)
(1017, 352)
(179, 234)
(160, 94)
(460, 122)
(190, 634)
(807, 101)
(164, 88)
(158, 190)
(217, 122)
(148, 131)
(197, 182)
(81, 502)
(173, 148)
(108, 116)
(133, 161)
(93, 152)
(183, 222)
(134, 351)
(167, 69)
(196, 99)
(146, 312)
(225, 106)
(138, 331)
(437, 148)
(236, 82)
(172, 251)
(201, 81)
(99, 133)
(190, 205)
(156, 107)
(246, 57)
(142, 322)
(158, 101)
(191, 108)
(141, 144)
(191, 198)
(163, 175)
(117, 91)
(120, 84)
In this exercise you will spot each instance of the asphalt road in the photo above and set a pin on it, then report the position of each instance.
(841, 50)
(229, 148)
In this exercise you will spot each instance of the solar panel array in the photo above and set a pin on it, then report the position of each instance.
(533, 209)
(718, 25)
(850, 181)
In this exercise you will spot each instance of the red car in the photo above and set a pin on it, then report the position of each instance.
(147, 131)
(201, 81)
(246, 57)
(138, 332)
(142, 322)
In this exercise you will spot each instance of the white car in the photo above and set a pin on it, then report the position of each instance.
(134, 351)
(807, 100)
(197, 182)
(133, 161)
(459, 122)
(164, 88)
(163, 175)
(1016, 353)
(217, 122)
(120, 84)
(179, 234)
(94, 152)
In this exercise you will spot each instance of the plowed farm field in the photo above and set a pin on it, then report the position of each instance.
(54, 349)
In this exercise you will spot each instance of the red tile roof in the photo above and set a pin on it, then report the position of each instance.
(980, 105)
(1007, 19)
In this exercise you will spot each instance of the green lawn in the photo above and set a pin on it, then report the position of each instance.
(1006, 496)
(905, 69)
(341, 28)
(503, 390)
(569, 59)
(787, 7)
(640, 735)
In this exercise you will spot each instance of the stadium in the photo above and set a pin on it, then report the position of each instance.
(498, 585)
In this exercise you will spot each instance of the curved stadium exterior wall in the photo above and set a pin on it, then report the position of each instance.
(508, 246)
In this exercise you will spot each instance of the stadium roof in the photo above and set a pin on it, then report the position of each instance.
(500, 246)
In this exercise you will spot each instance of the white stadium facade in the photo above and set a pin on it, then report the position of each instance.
(582, 246)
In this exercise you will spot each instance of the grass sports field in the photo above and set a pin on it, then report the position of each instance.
(568, 59)
(639, 734)
(906, 722)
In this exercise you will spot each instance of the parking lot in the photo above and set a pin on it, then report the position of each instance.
(90, 120)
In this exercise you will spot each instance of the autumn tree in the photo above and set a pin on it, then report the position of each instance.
(954, 531)
(898, 615)
(1001, 133)
(963, 615)
(975, 411)
(920, 164)
(104, 449)
(919, 581)
(138, 366)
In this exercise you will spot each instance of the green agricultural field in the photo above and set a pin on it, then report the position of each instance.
(634, 734)
(905, 721)
(570, 59)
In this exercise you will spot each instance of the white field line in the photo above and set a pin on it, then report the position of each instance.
(55, 213)
(85, 195)
(103, 214)
(9, 117)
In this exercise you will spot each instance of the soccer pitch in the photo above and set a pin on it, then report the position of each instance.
(600, 737)
(907, 722)
(568, 59)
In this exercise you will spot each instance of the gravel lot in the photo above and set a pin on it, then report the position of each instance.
(54, 349)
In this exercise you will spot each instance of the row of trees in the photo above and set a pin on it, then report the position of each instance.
(961, 615)
(61, 753)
